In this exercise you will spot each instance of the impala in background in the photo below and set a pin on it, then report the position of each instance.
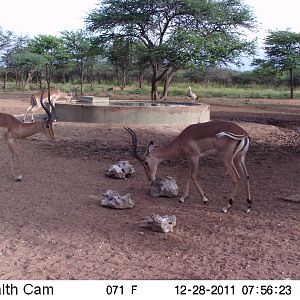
(227, 139)
(37, 98)
(13, 129)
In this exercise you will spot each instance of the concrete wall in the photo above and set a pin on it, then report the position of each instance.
(188, 114)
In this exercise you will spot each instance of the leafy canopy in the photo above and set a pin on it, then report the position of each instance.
(176, 31)
(283, 49)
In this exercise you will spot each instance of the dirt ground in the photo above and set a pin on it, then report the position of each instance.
(52, 226)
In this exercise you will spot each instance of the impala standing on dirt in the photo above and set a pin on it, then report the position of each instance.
(13, 129)
(35, 104)
(227, 139)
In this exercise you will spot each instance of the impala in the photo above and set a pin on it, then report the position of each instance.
(13, 129)
(227, 139)
(35, 104)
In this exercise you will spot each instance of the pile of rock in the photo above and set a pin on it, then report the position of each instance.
(164, 187)
(159, 223)
(112, 199)
(120, 170)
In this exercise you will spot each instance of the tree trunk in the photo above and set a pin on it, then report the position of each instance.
(28, 79)
(64, 76)
(141, 78)
(5, 79)
(123, 80)
(291, 83)
(168, 77)
(154, 93)
(154, 85)
(81, 77)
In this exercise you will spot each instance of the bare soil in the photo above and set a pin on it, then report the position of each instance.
(52, 226)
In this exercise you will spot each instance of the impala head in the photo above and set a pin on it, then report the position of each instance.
(68, 96)
(47, 122)
(148, 160)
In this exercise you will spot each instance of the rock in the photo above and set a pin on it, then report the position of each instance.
(159, 223)
(120, 170)
(292, 198)
(114, 200)
(164, 187)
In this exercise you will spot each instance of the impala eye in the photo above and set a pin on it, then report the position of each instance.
(47, 126)
(146, 164)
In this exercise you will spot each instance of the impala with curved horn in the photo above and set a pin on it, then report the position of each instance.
(54, 93)
(13, 129)
(227, 139)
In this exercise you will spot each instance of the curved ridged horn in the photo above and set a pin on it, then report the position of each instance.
(134, 143)
(53, 111)
(44, 106)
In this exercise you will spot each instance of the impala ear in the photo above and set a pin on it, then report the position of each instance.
(150, 148)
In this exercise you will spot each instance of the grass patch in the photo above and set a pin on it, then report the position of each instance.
(176, 89)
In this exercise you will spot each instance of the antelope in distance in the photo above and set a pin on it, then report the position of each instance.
(227, 139)
(13, 129)
(192, 95)
(35, 105)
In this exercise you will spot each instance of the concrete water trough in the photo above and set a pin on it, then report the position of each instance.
(132, 112)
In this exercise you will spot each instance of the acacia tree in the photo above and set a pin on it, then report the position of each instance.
(26, 64)
(282, 54)
(176, 32)
(53, 50)
(9, 44)
(81, 49)
(122, 63)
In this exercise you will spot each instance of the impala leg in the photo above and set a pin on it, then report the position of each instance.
(15, 162)
(242, 167)
(27, 111)
(194, 169)
(32, 112)
(235, 178)
(187, 188)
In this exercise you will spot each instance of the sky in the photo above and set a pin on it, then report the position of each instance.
(34, 17)
(275, 15)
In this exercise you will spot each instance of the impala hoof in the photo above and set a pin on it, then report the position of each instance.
(19, 178)
(224, 210)
(204, 199)
(248, 210)
(181, 199)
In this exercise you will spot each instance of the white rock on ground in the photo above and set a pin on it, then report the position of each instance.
(112, 199)
(164, 187)
(120, 170)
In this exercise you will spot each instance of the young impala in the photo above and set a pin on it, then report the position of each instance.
(13, 129)
(227, 139)
(35, 103)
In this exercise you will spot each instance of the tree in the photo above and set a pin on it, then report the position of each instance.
(18, 45)
(122, 63)
(176, 33)
(53, 50)
(5, 39)
(81, 49)
(282, 50)
(26, 63)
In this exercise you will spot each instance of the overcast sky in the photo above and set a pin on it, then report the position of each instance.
(34, 17)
